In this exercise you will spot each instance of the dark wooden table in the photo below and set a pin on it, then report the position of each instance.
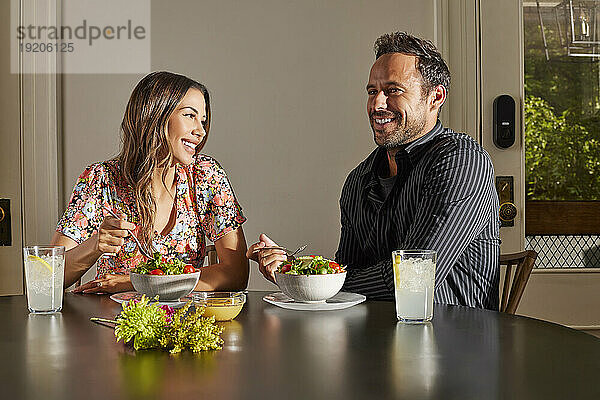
(272, 353)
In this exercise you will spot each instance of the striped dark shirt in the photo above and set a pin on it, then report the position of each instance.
(443, 199)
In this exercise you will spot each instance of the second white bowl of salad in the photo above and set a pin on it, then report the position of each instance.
(310, 279)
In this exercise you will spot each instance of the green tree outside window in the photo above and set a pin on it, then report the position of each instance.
(562, 120)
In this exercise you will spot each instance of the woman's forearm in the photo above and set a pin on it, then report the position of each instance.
(231, 273)
(78, 258)
(224, 277)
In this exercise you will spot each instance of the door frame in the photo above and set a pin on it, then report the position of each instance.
(11, 258)
(41, 116)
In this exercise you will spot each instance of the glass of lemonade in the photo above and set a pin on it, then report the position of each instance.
(44, 273)
(414, 280)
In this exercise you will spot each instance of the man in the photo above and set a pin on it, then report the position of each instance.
(424, 187)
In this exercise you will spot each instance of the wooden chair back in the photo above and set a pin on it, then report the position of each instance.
(211, 254)
(514, 283)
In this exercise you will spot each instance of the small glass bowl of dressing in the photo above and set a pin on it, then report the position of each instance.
(224, 306)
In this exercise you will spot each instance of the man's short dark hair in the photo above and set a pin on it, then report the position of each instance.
(430, 63)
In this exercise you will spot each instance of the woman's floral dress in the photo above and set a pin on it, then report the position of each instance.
(100, 186)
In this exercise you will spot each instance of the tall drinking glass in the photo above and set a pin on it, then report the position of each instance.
(44, 273)
(414, 280)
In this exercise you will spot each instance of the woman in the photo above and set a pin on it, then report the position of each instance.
(164, 191)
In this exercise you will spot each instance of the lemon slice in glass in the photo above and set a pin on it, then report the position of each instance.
(41, 261)
(397, 262)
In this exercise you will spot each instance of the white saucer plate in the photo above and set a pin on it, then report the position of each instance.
(124, 297)
(338, 302)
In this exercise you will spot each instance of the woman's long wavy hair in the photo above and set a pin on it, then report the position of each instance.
(144, 138)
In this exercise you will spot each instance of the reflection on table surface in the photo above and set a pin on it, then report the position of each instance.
(359, 352)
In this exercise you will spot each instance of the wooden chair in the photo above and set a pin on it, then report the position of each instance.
(211, 254)
(512, 292)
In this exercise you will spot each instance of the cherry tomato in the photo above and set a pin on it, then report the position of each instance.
(335, 266)
(157, 272)
(189, 269)
(286, 268)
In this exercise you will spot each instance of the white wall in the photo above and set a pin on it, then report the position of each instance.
(287, 81)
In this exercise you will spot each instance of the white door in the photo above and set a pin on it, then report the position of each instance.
(561, 92)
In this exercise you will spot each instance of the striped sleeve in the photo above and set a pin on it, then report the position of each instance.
(349, 245)
(376, 281)
(458, 198)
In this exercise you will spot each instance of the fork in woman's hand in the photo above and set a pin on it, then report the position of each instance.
(144, 252)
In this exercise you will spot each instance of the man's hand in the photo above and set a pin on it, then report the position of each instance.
(109, 283)
(268, 260)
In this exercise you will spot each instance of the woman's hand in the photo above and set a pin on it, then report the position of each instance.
(109, 283)
(111, 234)
(268, 260)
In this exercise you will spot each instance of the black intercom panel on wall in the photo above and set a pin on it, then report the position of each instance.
(504, 121)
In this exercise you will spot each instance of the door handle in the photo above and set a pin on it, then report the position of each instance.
(5, 226)
(508, 209)
(508, 212)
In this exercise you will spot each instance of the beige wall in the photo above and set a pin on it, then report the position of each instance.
(566, 297)
(287, 81)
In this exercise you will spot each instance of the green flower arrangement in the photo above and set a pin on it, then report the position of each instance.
(151, 326)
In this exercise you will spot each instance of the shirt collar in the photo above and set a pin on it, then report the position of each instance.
(437, 129)
(374, 159)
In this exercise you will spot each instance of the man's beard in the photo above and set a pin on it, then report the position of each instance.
(401, 134)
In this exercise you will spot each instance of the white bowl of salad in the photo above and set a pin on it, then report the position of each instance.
(310, 279)
(169, 280)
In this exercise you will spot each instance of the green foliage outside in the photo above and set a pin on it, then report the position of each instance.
(562, 120)
(562, 157)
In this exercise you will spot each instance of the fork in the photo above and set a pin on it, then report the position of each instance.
(144, 252)
(288, 253)
(298, 250)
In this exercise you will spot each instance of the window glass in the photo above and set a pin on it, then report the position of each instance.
(562, 103)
